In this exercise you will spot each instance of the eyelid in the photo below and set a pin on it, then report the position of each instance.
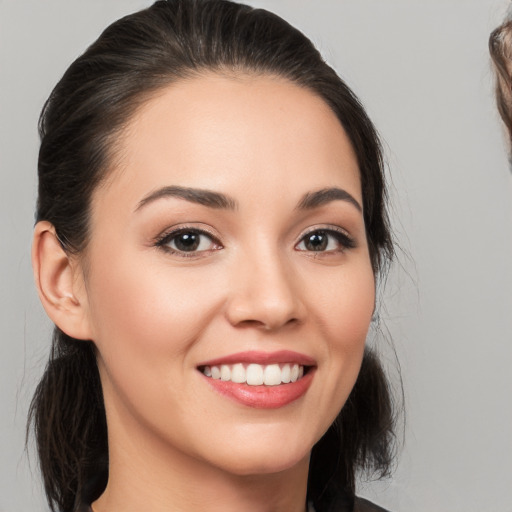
(343, 236)
(166, 236)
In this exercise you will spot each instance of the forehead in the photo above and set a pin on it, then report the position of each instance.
(231, 133)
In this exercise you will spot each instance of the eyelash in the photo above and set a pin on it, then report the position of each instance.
(343, 239)
(163, 241)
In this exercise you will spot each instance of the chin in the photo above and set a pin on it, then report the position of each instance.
(265, 466)
(261, 458)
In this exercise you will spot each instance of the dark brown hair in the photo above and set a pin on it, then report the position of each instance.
(79, 126)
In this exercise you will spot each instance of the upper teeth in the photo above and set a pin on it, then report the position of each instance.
(256, 374)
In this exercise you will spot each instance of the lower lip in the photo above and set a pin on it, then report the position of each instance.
(263, 397)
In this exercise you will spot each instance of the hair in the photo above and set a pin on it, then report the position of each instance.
(500, 48)
(81, 123)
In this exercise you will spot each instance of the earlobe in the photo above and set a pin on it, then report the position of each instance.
(59, 284)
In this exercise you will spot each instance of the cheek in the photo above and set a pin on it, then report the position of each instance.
(143, 315)
(344, 313)
(146, 320)
(348, 307)
(131, 297)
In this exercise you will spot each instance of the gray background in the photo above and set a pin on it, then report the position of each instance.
(422, 70)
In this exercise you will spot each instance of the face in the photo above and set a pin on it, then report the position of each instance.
(228, 280)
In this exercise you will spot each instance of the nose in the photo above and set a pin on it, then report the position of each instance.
(264, 293)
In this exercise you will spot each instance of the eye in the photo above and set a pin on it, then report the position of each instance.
(187, 242)
(325, 240)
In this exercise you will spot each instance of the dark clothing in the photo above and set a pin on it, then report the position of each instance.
(360, 505)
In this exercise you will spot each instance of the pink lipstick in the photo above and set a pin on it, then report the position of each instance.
(260, 379)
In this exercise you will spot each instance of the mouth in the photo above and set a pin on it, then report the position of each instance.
(254, 374)
(259, 379)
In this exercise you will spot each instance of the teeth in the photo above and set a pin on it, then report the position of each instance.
(225, 372)
(272, 375)
(238, 373)
(295, 373)
(286, 373)
(256, 374)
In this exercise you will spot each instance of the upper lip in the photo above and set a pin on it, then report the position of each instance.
(264, 358)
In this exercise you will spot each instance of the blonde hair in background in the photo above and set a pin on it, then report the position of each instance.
(500, 47)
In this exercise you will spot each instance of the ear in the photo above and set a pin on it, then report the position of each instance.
(60, 284)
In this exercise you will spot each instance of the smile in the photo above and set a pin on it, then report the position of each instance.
(256, 374)
(260, 380)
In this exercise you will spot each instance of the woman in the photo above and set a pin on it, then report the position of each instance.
(211, 226)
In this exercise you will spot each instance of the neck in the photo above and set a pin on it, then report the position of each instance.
(150, 475)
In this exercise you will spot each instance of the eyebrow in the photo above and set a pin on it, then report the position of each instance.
(220, 201)
(194, 195)
(326, 195)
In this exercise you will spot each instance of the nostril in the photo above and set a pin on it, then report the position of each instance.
(267, 325)
(264, 297)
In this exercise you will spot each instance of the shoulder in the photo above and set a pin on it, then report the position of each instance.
(347, 505)
(362, 505)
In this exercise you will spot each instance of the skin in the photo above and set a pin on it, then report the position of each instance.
(175, 443)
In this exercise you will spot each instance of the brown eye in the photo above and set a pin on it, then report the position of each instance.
(317, 241)
(325, 240)
(187, 241)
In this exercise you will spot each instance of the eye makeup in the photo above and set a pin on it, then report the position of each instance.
(193, 242)
(330, 240)
(187, 242)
